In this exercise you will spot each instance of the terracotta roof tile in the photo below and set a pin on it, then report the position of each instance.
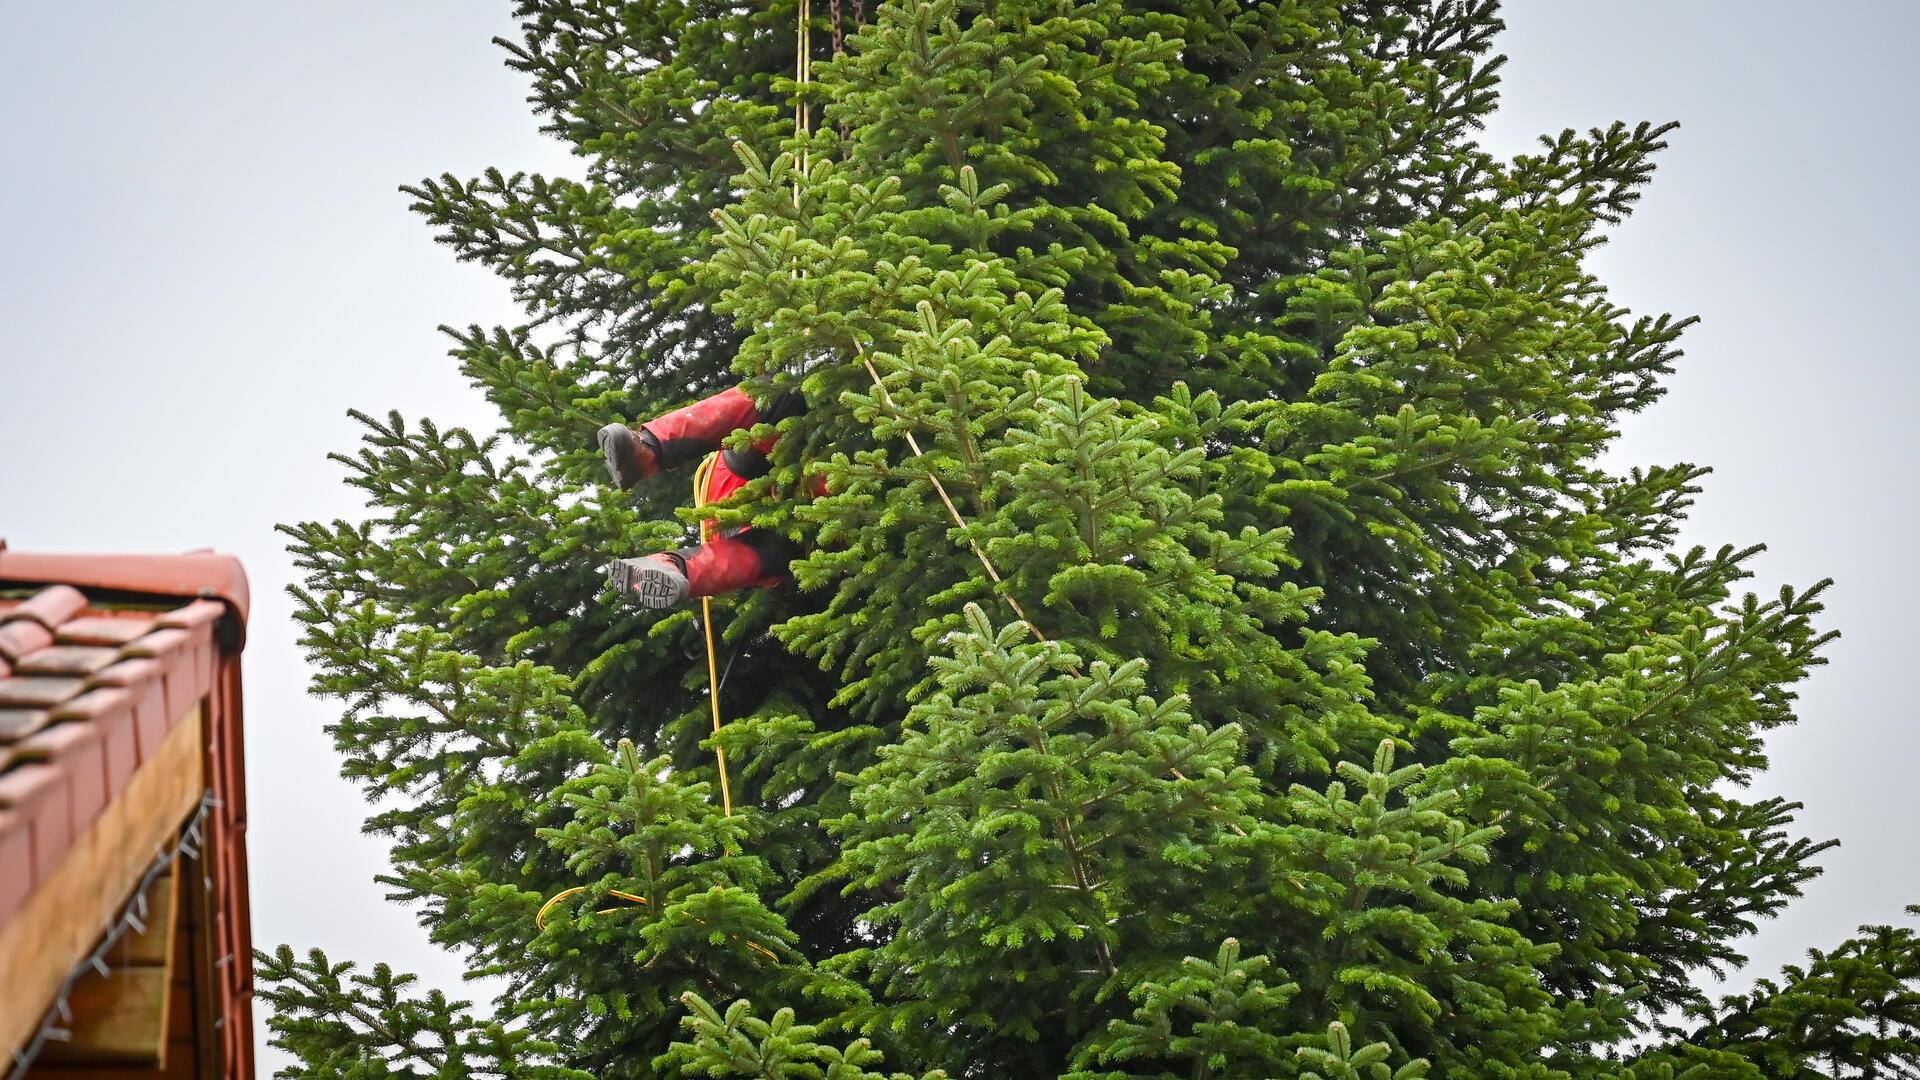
(17, 724)
(159, 643)
(16, 850)
(23, 636)
(86, 693)
(121, 742)
(100, 657)
(38, 793)
(103, 629)
(67, 660)
(128, 672)
(38, 691)
(78, 717)
(49, 607)
(76, 750)
(93, 704)
(197, 614)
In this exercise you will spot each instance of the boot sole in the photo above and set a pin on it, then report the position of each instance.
(649, 583)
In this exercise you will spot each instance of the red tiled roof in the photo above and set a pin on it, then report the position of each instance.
(97, 664)
(79, 715)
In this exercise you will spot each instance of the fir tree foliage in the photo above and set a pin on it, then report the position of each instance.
(327, 1015)
(1060, 811)
(1288, 690)
(1219, 1018)
(739, 1043)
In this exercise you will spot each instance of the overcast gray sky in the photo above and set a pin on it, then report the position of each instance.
(207, 263)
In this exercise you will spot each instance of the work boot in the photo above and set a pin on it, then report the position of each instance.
(750, 559)
(632, 454)
(655, 581)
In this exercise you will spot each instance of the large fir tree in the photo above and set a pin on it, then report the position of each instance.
(1359, 724)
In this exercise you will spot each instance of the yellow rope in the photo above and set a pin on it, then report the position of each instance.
(700, 477)
(802, 74)
(947, 500)
(540, 918)
(803, 70)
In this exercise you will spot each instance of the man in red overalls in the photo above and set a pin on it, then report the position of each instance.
(738, 559)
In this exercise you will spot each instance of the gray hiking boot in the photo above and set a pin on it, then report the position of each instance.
(631, 454)
(655, 581)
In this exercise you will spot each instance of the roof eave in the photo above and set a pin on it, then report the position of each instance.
(196, 574)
